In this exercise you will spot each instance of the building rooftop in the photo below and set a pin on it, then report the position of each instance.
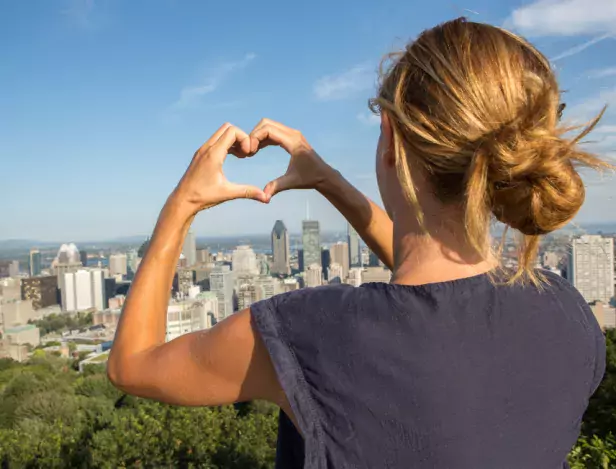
(18, 329)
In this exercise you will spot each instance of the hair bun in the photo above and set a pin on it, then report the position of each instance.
(535, 188)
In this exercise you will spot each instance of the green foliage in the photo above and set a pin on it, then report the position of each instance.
(53, 417)
(594, 453)
(64, 321)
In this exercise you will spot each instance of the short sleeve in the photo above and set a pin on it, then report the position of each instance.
(291, 326)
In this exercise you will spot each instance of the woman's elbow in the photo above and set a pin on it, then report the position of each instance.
(121, 374)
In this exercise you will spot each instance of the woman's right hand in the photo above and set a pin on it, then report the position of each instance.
(306, 169)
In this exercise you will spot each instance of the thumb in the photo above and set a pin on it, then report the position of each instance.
(283, 183)
(243, 191)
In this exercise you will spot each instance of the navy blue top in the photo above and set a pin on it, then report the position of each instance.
(464, 374)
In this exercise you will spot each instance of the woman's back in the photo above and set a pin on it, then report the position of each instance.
(460, 374)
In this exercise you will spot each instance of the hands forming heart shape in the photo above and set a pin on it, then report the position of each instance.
(204, 184)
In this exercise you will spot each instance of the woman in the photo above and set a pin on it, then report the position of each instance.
(455, 363)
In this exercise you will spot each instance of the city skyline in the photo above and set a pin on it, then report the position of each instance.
(110, 91)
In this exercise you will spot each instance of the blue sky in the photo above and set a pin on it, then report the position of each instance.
(103, 102)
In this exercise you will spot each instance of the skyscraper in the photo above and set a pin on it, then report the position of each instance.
(83, 289)
(354, 246)
(9, 268)
(203, 256)
(280, 249)
(83, 257)
(335, 273)
(591, 267)
(340, 255)
(314, 276)
(221, 283)
(311, 243)
(244, 261)
(43, 291)
(190, 249)
(35, 262)
(67, 261)
(118, 264)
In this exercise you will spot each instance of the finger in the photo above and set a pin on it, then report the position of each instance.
(215, 136)
(283, 183)
(269, 134)
(233, 140)
(243, 191)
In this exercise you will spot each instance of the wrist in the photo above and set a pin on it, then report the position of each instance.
(178, 210)
(329, 180)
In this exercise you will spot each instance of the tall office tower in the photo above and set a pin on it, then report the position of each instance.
(35, 262)
(247, 294)
(355, 276)
(311, 243)
(591, 267)
(184, 280)
(268, 287)
(83, 257)
(191, 315)
(354, 246)
(118, 265)
(300, 259)
(98, 289)
(43, 291)
(203, 256)
(9, 269)
(110, 289)
(131, 260)
(314, 276)
(244, 261)
(83, 290)
(190, 249)
(221, 283)
(373, 260)
(326, 258)
(335, 273)
(68, 260)
(280, 249)
(340, 255)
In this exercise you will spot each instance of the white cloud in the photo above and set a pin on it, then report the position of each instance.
(580, 47)
(191, 95)
(345, 84)
(369, 118)
(605, 129)
(564, 18)
(589, 108)
(602, 73)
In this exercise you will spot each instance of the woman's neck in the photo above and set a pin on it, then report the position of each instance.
(442, 255)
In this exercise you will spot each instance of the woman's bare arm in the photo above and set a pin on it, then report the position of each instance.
(222, 365)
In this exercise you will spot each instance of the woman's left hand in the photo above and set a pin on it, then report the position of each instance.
(204, 184)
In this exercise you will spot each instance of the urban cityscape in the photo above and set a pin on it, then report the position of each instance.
(210, 285)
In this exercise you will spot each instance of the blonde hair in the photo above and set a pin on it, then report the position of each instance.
(478, 109)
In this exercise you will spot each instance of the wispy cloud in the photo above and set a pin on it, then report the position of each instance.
(564, 18)
(580, 47)
(369, 118)
(589, 108)
(190, 96)
(345, 84)
(605, 129)
(80, 12)
(602, 73)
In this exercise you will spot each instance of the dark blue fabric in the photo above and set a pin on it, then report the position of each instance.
(465, 374)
